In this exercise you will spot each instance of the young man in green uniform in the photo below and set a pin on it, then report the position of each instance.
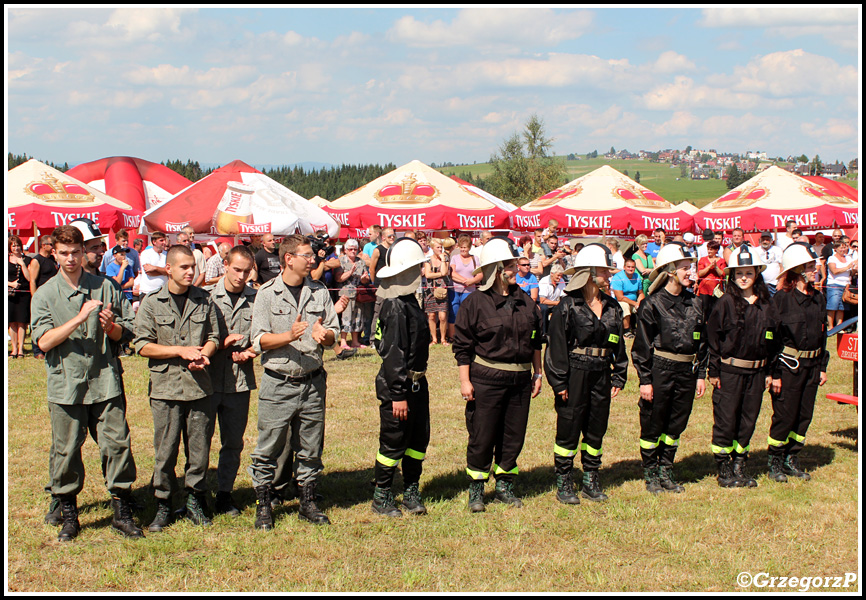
(73, 317)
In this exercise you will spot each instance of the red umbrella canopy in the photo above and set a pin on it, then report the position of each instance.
(38, 193)
(774, 196)
(239, 199)
(836, 188)
(416, 196)
(602, 201)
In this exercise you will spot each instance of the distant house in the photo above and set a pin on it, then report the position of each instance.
(835, 171)
(700, 174)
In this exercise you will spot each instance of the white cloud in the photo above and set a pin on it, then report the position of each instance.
(171, 76)
(831, 131)
(129, 25)
(501, 27)
(671, 62)
(836, 24)
(794, 73)
(683, 93)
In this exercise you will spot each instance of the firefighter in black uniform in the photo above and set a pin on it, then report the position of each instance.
(740, 334)
(403, 341)
(801, 365)
(670, 356)
(586, 364)
(497, 344)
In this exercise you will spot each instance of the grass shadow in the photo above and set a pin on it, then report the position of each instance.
(852, 434)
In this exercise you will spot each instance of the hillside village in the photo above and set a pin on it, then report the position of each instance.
(710, 164)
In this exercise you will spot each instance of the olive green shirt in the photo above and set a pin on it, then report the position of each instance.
(275, 311)
(83, 368)
(159, 322)
(226, 375)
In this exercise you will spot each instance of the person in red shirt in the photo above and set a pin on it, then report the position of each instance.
(711, 273)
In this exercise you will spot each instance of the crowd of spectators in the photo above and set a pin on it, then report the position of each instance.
(448, 280)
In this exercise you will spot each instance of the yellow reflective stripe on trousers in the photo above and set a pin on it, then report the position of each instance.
(772, 442)
(477, 475)
(739, 449)
(388, 462)
(590, 450)
(720, 450)
(797, 438)
(648, 445)
(560, 451)
(668, 440)
(499, 470)
(415, 454)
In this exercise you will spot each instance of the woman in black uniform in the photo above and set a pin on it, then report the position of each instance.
(586, 365)
(802, 363)
(740, 333)
(497, 344)
(402, 339)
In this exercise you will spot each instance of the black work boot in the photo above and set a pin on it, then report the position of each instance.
(264, 508)
(651, 478)
(776, 473)
(224, 505)
(739, 469)
(162, 517)
(565, 489)
(276, 497)
(123, 521)
(308, 510)
(412, 500)
(666, 480)
(504, 492)
(791, 467)
(69, 513)
(590, 488)
(52, 517)
(196, 505)
(476, 496)
(383, 503)
(726, 476)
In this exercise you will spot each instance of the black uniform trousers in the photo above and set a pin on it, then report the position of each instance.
(736, 406)
(585, 414)
(793, 408)
(496, 421)
(402, 440)
(663, 420)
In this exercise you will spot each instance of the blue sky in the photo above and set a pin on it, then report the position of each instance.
(342, 85)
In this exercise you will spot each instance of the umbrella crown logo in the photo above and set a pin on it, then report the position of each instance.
(408, 191)
(555, 196)
(50, 189)
(745, 197)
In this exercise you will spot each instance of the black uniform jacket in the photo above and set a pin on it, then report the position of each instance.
(672, 324)
(573, 325)
(750, 337)
(403, 341)
(496, 327)
(802, 325)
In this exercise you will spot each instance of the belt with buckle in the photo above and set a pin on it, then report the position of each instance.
(416, 378)
(503, 366)
(294, 379)
(744, 364)
(686, 358)
(598, 352)
(801, 353)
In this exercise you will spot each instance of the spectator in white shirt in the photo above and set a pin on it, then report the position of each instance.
(771, 256)
(153, 273)
(550, 290)
(617, 258)
(786, 239)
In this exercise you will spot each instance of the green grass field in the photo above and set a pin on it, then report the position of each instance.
(698, 541)
(659, 177)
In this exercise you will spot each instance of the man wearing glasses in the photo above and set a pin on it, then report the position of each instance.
(526, 280)
(293, 321)
(771, 256)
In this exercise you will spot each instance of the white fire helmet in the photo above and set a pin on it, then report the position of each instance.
(403, 255)
(592, 255)
(88, 229)
(666, 259)
(496, 250)
(745, 256)
(797, 255)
